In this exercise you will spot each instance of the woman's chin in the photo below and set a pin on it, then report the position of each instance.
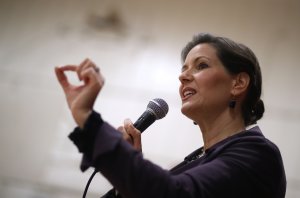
(186, 109)
(190, 110)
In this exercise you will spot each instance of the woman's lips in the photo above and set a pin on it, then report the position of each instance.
(187, 93)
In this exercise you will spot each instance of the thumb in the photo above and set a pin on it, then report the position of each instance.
(134, 133)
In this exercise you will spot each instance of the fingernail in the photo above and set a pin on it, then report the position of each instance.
(128, 121)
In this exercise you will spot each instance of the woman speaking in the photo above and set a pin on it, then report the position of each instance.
(220, 91)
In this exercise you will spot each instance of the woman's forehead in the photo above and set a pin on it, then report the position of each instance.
(201, 51)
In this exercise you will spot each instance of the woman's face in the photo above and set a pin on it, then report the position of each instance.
(205, 88)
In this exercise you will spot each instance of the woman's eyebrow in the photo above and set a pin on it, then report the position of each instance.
(201, 57)
(184, 66)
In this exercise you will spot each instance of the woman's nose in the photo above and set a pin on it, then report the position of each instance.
(185, 76)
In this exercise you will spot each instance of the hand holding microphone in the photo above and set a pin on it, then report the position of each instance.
(131, 134)
(156, 109)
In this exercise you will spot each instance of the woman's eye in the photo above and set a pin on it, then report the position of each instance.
(202, 66)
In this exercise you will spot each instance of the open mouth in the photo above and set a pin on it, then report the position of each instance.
(188, 93)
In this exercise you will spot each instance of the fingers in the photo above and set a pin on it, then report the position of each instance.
(86, 71)
(131, 134)
(126, 136)
(87, 64)
(134, 133)
(61, 77)
(91, 75)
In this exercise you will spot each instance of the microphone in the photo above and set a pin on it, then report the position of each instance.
(156, 109)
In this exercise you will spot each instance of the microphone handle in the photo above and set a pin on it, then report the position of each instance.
(144, 121)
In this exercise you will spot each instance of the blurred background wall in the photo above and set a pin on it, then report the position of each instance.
(137, 44)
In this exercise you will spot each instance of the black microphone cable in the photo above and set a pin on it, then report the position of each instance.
(88, 183)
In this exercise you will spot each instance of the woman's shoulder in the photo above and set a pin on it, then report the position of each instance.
(251, 138)
(248, 147)
(252, 157)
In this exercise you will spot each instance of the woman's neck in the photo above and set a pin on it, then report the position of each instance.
(220, 128)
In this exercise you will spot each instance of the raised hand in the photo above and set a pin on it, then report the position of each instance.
(81, 98)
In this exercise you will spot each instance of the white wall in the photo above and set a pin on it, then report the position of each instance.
(141, 60)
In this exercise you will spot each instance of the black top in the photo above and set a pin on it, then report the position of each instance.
(245, 165)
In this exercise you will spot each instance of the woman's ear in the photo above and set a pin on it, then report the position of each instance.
(240, 84)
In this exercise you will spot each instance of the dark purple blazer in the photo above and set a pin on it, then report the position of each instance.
(245, 165)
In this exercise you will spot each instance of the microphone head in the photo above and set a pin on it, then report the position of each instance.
(158, 107)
